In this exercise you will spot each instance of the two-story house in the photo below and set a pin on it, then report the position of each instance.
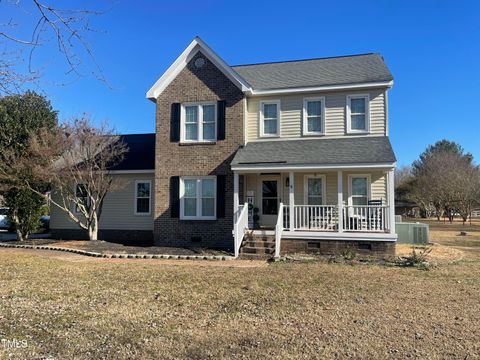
(270, 158)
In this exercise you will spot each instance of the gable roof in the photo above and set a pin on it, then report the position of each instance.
(179, 64)
(140, 154)
(332, 73)
(336, 152)
(341, 70)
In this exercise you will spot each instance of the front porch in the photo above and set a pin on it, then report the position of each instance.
(343, 204)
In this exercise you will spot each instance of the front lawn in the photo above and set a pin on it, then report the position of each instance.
(70, 306)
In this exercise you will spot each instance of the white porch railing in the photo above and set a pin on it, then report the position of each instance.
(239, 227)
(316, 217)
(366, 218)
(279, 230)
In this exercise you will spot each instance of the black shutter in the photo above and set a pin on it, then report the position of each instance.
(221, 120)
(175, 123)
(221, 196)
(175, 196)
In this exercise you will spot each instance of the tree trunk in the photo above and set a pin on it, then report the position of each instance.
(20, 236)
(93, 228)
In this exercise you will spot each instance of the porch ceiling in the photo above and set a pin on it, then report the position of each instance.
(349, 152)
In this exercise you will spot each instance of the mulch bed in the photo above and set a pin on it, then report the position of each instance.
(105, 247)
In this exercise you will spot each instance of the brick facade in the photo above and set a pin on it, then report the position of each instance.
(174, 159)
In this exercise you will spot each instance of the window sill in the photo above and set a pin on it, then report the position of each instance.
(198, 219)
(143, 214)
(358, 132)
(269, 136)
(192, 143)
(313, 134)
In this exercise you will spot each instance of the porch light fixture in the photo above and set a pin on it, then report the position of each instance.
(287, 182)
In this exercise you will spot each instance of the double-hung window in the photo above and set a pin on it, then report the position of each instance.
(199, 122)
(143, 197)
(358, 114)
(269, 118)
(198, 198)
(314, 190)
(314, 116)
(359, 186)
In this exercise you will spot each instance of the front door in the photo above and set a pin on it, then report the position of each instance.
(270, 190)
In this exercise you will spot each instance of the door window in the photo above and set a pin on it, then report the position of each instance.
(269, 197)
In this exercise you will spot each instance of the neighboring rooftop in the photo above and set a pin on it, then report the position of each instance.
(141, 152)
(341, 70)
(351, 150)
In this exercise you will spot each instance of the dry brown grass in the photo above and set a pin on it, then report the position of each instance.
(93, 309)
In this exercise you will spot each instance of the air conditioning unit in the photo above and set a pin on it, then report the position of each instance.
(412, 233)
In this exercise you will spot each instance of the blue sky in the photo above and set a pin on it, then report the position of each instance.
(431, 47)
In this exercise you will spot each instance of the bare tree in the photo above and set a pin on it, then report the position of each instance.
(66, 28)
(468, 189)
(76, 163)
(449, 182)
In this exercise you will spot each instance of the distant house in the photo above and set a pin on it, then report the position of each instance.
(261, 159)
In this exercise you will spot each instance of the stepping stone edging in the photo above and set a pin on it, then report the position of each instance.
(120, 256)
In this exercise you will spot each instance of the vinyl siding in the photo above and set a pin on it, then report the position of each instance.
(118, 208)
(291, 108)
(377, 186)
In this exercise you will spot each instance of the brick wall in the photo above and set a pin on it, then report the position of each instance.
(333, 247)
(174, 159)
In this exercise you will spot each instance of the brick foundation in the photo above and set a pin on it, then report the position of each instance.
(336, 247)
(126, 237)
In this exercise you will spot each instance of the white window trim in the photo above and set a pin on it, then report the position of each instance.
(369, 186)
(261, 127)
(199, 105)
(305, 116)
(74, 205)
(199, 203)
(305, 187)
(149, 198)
(367, 114)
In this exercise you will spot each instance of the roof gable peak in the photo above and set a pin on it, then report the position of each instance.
(179, 64)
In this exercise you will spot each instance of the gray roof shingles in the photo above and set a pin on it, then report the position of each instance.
(354, 69)
(351, 150)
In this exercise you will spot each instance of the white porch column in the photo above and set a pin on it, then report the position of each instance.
(391, 199)
(235, 192)
(291, 199)
(340, 200)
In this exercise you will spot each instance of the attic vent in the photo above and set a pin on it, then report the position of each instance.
(199, 63)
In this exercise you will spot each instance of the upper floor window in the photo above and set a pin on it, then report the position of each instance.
(270, 118)
(142, 197)
(198, 198)
(198, 122)
(313, 116)
(358, 114)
